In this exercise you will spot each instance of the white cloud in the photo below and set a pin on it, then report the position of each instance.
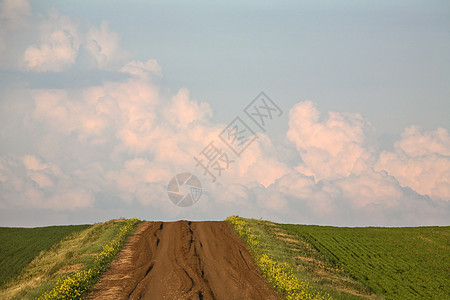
(28, 182)
(58, 46)
(103, 44)
(136, 172)
(60, 40)
(370, 188)
(33, 163)
(151, 137)
(415, 142)
(335, 147)
(117, 144)
(258, 163)
(183, 111)
(421, 161)
(125, 140)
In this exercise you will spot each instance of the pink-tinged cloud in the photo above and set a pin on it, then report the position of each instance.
(28, 182)
(118, 144)
(258, 163)
(337, 146)
(370, 188)
(137, 172)
(33, 163)
(183, 111)
(153, 136)
(421, 161)
(103, 45)
(60, 39)
(58, 45)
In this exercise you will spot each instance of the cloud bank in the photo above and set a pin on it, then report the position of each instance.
(109, 150)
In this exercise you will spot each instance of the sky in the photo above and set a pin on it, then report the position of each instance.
(103, 103)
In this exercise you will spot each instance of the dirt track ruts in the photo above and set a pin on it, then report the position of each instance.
(183, 260)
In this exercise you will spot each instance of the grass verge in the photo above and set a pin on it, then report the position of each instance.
(279, 274)
(70, 267)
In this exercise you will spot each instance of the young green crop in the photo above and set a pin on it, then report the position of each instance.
(19, 246)
(396, 263)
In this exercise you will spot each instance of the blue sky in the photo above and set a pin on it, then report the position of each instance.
(387, 59)
(376, 74)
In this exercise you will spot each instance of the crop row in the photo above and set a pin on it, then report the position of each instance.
(398, 263)
(19, 246)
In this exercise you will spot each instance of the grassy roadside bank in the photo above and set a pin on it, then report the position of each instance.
(276, 271)
(71, 266)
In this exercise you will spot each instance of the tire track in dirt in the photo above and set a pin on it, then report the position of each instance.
(183, 260)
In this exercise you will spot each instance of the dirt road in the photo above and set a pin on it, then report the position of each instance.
(183, 260)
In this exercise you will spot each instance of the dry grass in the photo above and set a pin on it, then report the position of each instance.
(69, 255)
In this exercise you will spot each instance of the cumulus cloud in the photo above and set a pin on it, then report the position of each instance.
(421, 161)
(58, 45)
(114, 147)
(130, 139)
(103, 44)
(136, 173)
(138, 121)
(53, 42)
(126, 139)
(336, 147)
(27, 182)
(182, 111)
(340, 151)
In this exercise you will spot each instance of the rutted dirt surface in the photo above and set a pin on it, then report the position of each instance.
(183, 260)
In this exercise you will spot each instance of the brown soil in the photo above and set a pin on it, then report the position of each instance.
(183, 260)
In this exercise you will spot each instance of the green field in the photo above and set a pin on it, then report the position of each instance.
(398, 263)
(19, 246)
(344, 263)
(363, 263)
